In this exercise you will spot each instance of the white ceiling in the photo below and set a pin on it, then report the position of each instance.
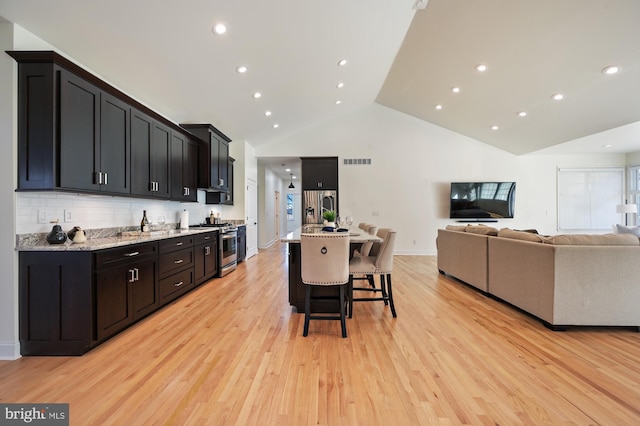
(168, 58)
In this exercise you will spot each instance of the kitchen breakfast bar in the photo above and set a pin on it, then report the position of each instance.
(296, 287)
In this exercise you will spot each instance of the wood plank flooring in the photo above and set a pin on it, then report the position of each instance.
(232, 352)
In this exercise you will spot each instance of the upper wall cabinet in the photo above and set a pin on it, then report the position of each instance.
(78, 133)
(320, 173)
(213, 170)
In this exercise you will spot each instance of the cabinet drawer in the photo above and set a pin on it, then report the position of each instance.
(206, 237)
(175, 285)
(176, 261)
(115, 256)
(173, 244)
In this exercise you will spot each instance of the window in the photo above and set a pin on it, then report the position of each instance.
(587, 198)
(290, 212)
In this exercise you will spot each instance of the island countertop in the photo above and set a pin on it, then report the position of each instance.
(357, 235)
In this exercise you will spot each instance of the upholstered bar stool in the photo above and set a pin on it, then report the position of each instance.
(381, 264)
(325, 262)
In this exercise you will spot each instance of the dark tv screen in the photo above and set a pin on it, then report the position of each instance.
(482, 200)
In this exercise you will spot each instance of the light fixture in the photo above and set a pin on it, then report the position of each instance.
(612, 69)
(340, 85)
(275, 126)
(627, 209)
(607, 145)
(338, 102)
(219, 29)
(438, 107)
(291, 184)
(242, 69)
(455, 89)
(267, 113)
(522, 114)
(481, 68)
(257, 95)
(342, 62)
(494, 127)
(557, 96)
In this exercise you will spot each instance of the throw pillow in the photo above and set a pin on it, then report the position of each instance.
(520, 235)
(594, 240)
(482, 230)
(459, 228)
(628, 230)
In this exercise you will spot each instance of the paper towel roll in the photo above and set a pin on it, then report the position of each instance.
(184, 220)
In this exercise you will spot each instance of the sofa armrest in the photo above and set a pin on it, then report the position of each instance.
(464, 256)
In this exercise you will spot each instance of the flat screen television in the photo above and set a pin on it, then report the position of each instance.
(482, 201)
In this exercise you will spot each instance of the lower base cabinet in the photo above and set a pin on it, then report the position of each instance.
(71, 301)
(206, 256)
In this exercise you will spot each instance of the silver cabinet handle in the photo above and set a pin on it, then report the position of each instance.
(133, 253)
(106, 178)
(179, 244)
(178, 284)
(179, 261)
(133, 275)
(137, 276)
(207, 251)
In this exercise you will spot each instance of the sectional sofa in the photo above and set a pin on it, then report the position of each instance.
(564, 280)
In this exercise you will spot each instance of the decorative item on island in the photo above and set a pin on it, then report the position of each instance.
(77, 235)
(330, 218)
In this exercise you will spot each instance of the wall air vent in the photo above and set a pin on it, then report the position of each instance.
(357, 161)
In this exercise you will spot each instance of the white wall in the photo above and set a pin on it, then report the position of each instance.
(413, 163)
(9, 348)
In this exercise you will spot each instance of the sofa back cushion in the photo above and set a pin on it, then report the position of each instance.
(482, 230)
(594, 240)
(521, 235)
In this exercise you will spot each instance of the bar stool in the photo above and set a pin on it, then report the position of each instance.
(381, 264)
(325, 262)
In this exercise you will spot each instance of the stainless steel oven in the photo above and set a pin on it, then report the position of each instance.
(227, 250)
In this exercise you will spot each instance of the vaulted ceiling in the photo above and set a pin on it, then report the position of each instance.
(167, 56)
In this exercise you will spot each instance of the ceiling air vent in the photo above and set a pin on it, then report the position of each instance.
(357, 161)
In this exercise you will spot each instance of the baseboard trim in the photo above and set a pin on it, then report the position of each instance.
(9, 351)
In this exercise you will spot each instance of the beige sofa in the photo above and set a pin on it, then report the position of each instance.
(565, 280)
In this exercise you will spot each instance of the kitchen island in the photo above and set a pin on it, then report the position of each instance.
(296, 287)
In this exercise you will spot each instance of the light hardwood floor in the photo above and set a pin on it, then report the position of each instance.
(232, 352)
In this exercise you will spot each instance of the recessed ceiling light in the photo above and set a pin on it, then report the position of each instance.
(611, 70)
(267, 113)
(275, 126)
(294, 177)
(257, 95)
(242, 69)
(342, 62)
(338, 102)
(287, 170)
(494, 127)
(557, 96)
(481, 67)
(522, 114)
(607, 145)
(455, 89)
(219, 28)
(340, 85)
(438, 106)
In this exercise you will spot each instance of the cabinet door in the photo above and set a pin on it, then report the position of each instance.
(79, 137)
(160, 160)
(206, 264)
(320, 173)
(113, 303)
(144, 289)
(223, 165)
(214, 166)
(184, 156)
(141, 133)
(114, 145)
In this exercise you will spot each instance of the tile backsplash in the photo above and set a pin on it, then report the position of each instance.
(98, 211)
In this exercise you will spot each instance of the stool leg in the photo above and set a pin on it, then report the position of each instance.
(393, 307)
(383, 288)
(307, 309)
(343, 322)
(350, 296)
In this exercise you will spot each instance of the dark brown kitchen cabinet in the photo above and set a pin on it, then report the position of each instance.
(223, 197)
(150, 157)
(206, 256)
(184, 168)
(56, 303)
(176, 270)
(213, 157)
(126, 287)
(319, 173)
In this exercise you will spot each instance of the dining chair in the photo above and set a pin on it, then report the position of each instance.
(325, 262)
(380, 264)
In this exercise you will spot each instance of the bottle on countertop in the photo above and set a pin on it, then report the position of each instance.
(212, 218)
(144, 223)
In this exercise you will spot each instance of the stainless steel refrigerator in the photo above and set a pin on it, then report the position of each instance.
(315, 202)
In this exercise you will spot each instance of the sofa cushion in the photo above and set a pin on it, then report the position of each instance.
(621, 229)
(594, 240)
(520, 235)
(482, 230)
(459, 228)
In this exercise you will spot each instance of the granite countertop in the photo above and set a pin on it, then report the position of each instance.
(37, 242)
(357, 235)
